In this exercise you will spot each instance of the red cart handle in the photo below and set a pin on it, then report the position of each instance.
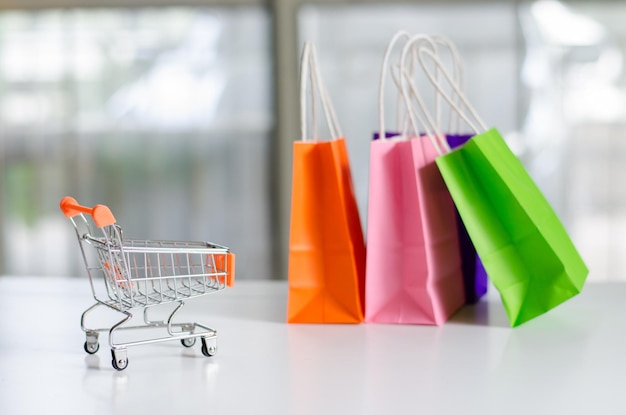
(101, 214)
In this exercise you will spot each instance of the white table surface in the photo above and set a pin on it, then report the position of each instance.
(570, 361)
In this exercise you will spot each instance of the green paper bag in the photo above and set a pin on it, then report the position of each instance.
(525, 249)
(521, 242)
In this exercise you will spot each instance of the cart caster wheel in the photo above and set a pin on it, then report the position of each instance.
(120, 365)
(91, 348)
(210, 349)
(189, 342)
(120, 361)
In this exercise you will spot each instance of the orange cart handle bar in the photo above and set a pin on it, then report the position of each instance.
(101, 214)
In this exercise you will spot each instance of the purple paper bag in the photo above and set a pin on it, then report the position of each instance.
(388, 134)
(474, 274)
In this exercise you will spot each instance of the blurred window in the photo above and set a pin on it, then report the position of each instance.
(573, 131)
(167, 115)
(162, 114)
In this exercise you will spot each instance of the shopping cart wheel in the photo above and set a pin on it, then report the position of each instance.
(209, 349)
(189, 342)
(91, 345)
(120, 361)
(91, 348)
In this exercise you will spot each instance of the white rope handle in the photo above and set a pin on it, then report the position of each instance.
(457, 65)
(429, 125)
(381, 82)
(396, 79)
(327, 103)
(304, 74)
(427, 40)
(310, 69)
(463, 99)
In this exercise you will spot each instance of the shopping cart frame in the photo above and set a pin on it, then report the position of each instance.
(142, 274)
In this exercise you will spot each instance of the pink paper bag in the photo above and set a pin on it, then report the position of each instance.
(413, 263)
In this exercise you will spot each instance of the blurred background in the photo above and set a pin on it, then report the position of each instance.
(181, 116)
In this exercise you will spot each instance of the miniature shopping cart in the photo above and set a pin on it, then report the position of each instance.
(139, 274)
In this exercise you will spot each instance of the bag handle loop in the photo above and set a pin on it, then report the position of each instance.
(381, 82)
(427, 122)
(457, 91)
(395, 77)
(457, 66)
(309, 69)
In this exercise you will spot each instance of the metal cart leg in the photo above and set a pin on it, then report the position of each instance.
(91, 345)
(120, 360)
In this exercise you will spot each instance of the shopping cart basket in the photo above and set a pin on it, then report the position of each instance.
(138, 274)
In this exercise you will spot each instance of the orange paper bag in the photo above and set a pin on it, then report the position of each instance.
(326, 244)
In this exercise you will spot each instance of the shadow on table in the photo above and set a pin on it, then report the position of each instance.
(275, 314)
(486, 312)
